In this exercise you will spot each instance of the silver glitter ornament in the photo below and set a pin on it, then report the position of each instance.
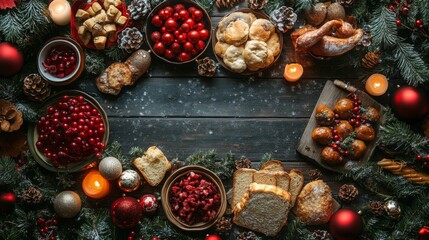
(392, 209)
(129, 181)
(67, 204)
(110, 168)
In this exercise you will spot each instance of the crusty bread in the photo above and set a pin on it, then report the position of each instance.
(153, 165)
(296, 184)
(273, 165)
(314, 205)
(283, 180)
(265, 177)
(243, 177)
(264, 209)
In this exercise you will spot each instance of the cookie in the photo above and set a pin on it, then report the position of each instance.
(255, 54)
(233, 58)
(270, 59)
(261, 30)
(236, 33)
(220, 48)
(273, 43)
(235, 16)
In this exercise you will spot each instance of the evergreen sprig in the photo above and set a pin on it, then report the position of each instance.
(304, 5)
(224, 168)
(160, 227)
(383, 28)
(94, 62)
(95, 224)
(411, 66)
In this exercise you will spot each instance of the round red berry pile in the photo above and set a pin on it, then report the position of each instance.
(60, 61)
(179, 32)
(47, 228)
(194, 199)
(71, 129)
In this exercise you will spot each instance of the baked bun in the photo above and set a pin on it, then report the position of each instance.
(236, 16)
(255, 54)
(314, 205)
(273, 43)
(270, 59)
(236, 33)
(261, 29)
(220, 48)
(233, 58)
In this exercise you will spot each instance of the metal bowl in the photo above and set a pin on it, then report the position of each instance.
(187, 3)
(247, 71)
(207, 174)
(33, 135)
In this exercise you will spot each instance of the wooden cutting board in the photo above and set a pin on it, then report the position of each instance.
(331, 93)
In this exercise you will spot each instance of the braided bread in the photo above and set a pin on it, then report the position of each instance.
(403, 171)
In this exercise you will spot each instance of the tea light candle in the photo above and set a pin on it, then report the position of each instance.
(293, 72)
(60, 11)
(377, 84)
(95, 186)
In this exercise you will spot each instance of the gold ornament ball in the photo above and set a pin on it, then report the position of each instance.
(392, 209)
(67, 204)
(129, 181)
(110, 168)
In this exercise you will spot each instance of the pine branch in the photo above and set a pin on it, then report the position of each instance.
(265, 158)
(115, 53)
(8, 174)
(95, 224)
(161, 228)
(272, 5)
(411, 66)
(383, 28)
(304, 5)
(136, 152)
(223, 168)
(115, 150)
(423, 7)
(206, 4)
(94, 62)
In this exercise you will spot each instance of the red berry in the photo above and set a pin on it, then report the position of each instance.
(182, 38)
(197, 15)
(169, 8)
(190, 22)
(391, 7)
(418, 22)
(171, 25)
(168, 12)
(163, 29)
(420, 26)
(176, 48)
(183, 15)
(159, 48)
(167, 38)
(188, 47)
(183, 57)
(178, 7)
(191, 10)
(427, 157)
(398, 22)
(204, 34)
(162, 15)
(169, 54)
(156, 21)
(200, 45)
(194, 52)
(404, 10)
(199, 26)
(185, 28)
(176, 16)
(193, 36)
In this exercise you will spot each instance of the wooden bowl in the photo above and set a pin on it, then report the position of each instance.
(247, 71)
(80, 60)
(187, 3)
(207, 174)
(33, 135)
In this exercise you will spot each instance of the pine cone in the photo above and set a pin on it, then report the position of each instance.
(315, 174)
(347, 193)
(227, 3)
(223, 225)
(36, 88)
(256, 4)
(10, 117)
(31, 196)
(346, 3)
(284, 18)
(320, 235)
(376, 207)
(371, 59)
(243, 162)
(206, 67)
(130, 39)
(247, 236)
(139, 9)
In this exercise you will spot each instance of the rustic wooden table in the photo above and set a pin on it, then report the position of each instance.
(182, 113)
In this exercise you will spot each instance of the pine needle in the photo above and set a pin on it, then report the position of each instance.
(383, 28)
(411, 66)
(304, 5)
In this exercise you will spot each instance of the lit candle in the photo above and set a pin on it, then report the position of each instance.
(60, 11)
(377, 84)
(95, 186)
(293, 72)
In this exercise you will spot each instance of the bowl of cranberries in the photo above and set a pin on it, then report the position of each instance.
(193, 198)
(61, 61)
(71, 132)
(178, 31)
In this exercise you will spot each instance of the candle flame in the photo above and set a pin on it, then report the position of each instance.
(97, 184)
(377, 85)
(293, 69)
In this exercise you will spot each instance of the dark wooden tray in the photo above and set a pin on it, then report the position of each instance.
(329, 96)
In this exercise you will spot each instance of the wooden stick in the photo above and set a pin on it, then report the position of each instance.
(344, 86)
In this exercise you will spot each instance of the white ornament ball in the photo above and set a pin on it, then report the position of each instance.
(129, 181)
(110, 168)
(67, 204)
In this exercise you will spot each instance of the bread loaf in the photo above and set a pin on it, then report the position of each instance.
(273, 165)
(264, 209)
(242, 179)
(265, 177)
(153, 165)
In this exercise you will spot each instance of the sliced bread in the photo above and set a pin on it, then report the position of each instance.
(273, 165)
(296, 184)
(283, 180)
(314, 205)
(153, 165)
(264, 209)
(265, 177)
(243, 177)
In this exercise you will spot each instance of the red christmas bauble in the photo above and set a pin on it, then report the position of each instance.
(410, 103)
(213, 237)
(10, 60)
(148, 203)
(424, 233)
(126, 212)
(345, 224)
(7, 202)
